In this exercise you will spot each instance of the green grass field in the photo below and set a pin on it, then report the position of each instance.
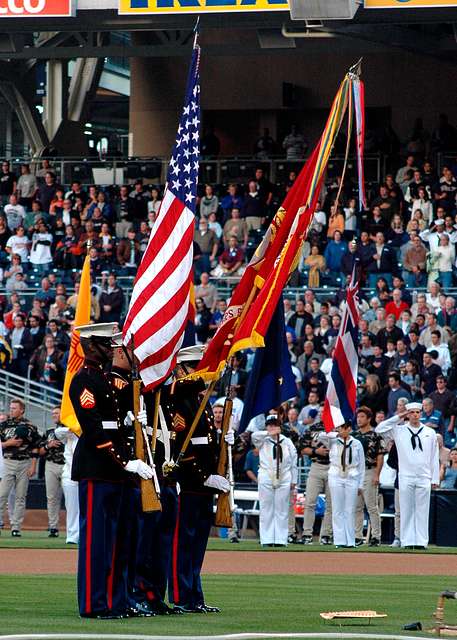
(46, 604)
(40, 540)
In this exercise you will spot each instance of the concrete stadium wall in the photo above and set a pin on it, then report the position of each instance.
(242, 95)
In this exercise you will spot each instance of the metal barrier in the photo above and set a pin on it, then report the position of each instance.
(39, 400)
(118, 171)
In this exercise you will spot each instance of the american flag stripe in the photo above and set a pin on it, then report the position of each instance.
(160, 305)
(341, 397)
(156, 284)
(163, 322)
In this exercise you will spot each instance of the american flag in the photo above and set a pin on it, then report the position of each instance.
(160, 305)
(340, 402)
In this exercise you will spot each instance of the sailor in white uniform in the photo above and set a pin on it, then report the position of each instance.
(69, 486)
(277, 476)
(418, 463)
(345, 478)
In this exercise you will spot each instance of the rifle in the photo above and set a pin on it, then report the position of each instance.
(149, 496)
(224, 501)
(278, 461)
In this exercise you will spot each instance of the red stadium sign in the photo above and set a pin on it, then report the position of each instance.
(35, 8)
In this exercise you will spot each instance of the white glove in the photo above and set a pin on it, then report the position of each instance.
(217, 482)
(141, 468)
(142, 417)
(129, 418)
(230, 438)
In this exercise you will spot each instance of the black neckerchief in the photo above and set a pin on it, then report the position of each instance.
(346, 446)
(413, 439)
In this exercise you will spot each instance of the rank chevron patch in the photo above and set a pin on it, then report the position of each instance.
(87, 399)
(179, 424)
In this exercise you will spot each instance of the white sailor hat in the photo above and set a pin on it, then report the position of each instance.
(101, 330)
(414, 406)
(190, 354)
(439, 221)
(273, 418)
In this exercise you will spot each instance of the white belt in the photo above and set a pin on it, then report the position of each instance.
(163, 435)
(109, 424)
(202, 440)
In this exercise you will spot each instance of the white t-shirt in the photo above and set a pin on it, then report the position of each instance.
(19, 246)
(41, 253)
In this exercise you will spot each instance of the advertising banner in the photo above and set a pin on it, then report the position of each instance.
(35, 8)
(408, 4)
(132, 7)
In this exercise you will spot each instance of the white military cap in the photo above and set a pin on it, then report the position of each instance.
(116, 339)
(190, 354)
(414, 406)
(439, 221)
(101, 330)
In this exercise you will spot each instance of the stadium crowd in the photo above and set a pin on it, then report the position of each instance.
(402, 247)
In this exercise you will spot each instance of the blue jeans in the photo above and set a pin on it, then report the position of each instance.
(414, 280)
(446, 279)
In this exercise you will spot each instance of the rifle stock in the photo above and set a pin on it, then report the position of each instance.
(149, 498)
(224, 510)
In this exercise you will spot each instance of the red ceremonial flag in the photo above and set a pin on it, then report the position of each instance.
(254, 300)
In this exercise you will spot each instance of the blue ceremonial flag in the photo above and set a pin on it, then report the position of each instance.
(271, 381)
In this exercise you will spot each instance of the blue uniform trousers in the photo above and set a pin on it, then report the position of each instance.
(193, 526)
(155, 546)
(105, 510)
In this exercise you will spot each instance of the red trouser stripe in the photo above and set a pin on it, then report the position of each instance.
(175, 556)
(109, 586)
(90, 508)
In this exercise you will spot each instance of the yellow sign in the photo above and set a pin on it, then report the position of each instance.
(408, 4)
(199, 6)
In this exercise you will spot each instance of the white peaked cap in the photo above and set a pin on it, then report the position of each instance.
(190, 354)
(102, 330)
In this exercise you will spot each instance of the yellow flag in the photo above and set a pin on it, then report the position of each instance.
(76, 356)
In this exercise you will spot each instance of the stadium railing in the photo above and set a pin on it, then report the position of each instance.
(39, 400)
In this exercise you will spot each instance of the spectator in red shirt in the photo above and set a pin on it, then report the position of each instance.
(397, 305)
(230, 260)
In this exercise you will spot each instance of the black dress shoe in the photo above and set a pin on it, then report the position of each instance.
(199, 608)
(16, 534)
(105, 615)
(210, 609)
(53, 533)
(159, 608)
(178, 608)
(140, 611)
(374, 542)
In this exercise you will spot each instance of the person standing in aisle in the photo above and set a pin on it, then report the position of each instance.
(20, 441)
(52, 450)
(345, 478)
(311, 445)
(418, 472)
(69, 486)
(374, 458)
(277, 476)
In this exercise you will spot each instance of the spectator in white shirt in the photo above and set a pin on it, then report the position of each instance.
(14, 212)
(18, 245)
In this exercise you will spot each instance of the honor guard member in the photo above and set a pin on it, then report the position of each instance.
(52, 450)
(345, 478)
(143, 525)
(158, 527)
(311, 445)
(198, 481)
(374, 450)
(418, 471)
(20, 442)
(101, 465)
(277, 476)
